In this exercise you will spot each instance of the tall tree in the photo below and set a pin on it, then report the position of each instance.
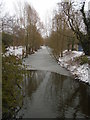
(60, 37)
(77, 20)
(32, 29)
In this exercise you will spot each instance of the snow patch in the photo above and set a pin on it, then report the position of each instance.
(43, 47)
(17, 51)
(81, 72)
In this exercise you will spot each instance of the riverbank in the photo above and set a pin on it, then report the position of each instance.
(75, 62)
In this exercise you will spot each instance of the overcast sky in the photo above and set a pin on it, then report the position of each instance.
(43, 7)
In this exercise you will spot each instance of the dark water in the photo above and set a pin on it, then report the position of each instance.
(50, 95)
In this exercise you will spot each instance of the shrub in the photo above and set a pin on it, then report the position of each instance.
(84, 60)
(11, 85)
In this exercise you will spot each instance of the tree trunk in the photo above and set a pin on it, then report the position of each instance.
(86, 46)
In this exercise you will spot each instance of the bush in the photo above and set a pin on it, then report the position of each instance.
(84, 60)
(11, 85)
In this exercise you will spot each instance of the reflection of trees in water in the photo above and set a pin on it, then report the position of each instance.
(85, 99)
(54, 84)
(61, 93)
(34, 79)
(64, 93)
(58, 84)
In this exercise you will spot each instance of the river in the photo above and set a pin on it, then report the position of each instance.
(51, 92)
(51, 95)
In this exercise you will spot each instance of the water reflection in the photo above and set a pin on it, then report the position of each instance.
(31, 81)
(50, 95)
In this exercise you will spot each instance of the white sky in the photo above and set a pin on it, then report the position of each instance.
(43, 7)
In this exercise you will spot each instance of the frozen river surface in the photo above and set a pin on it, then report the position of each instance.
(42, 60)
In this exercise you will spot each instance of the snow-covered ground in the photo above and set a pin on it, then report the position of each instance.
(80, 72)
(17, 51)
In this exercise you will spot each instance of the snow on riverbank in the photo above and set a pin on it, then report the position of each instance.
(80, 72)
(17, 51)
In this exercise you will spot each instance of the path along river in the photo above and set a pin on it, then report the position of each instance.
(50, 92)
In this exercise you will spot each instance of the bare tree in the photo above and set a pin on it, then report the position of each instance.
(60, 33)
(77, 20)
